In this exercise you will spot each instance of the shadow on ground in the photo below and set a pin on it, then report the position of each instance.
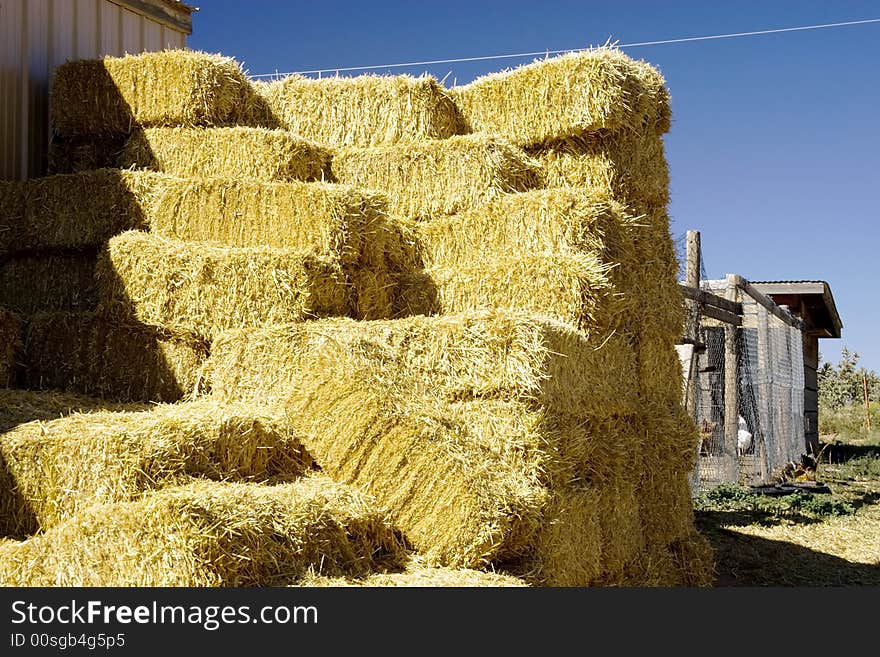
(742, 560)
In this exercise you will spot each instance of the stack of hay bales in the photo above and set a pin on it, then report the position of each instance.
(598, 138)
(124, 275)
(459, 305)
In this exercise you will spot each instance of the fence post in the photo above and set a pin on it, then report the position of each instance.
(692, 330)
(731, 382)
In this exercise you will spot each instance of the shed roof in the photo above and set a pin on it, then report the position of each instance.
(810, 299)
(171, 13)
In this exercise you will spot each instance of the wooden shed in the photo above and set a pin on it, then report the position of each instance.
(38, 35)
(813, 303)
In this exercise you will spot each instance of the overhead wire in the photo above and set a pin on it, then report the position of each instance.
(637, 44)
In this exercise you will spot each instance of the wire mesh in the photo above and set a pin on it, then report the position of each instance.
(769, 427)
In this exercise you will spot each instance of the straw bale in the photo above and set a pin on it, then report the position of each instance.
(12, 207)
(665, 506)
(663, 309)
(113, 95)
(687, 562)
(461, 426)
(21, 406)
(197, 288)
(568, 547)
(660, 373)
(694, 559)
(573, 254)
(441, 176)
(538, 221)
(238, 152)
(72, 211)
(87, 353)
(362, 111)
(321, 217)
(501, 355)
(631, 167)
(568, 288)
(10, 345)
(622, 536)
(210, 534)
(565, 96)
(48, 282)
(62, 466)
(84, 153)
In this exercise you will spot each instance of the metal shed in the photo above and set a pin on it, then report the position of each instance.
(38, 35)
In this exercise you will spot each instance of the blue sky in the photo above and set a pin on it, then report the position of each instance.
(774, 149)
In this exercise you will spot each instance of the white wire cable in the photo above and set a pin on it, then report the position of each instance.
(559, 52)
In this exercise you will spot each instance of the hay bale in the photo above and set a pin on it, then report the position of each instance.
(85, 153)
(48, 282)
(238, 152)
(660, 373)
(113, 95)
(89, 354)
(197, 288)
(631, 167)
(210, 534)
(21, 406)
(441, 176)
(620, 521)
(569, 288)
(73, 211)
(10, 345)
(568, 545)
(569, 253)
(362, 111)
(565, 96)
(464, 427)
(328, 219)
(500, 355)
(56, 468)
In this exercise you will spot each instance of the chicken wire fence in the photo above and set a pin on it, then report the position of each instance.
(770, 385)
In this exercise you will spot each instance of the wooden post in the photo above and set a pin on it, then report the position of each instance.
(867, 402)
(731, 385)
(692, 330)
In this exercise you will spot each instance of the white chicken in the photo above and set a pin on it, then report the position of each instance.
(743, 437)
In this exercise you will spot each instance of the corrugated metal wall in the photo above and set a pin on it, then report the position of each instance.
(38, 35)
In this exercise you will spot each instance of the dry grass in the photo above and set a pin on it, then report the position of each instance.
(89, 354)
(417, 574)
(188, 287)
(114, 95)
(48, 282)
(362, 111)
(238, 152)
(566, 96)
(437, 177)
(55, 468)
(209, 534)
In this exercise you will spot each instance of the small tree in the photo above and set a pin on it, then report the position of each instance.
(843, 385)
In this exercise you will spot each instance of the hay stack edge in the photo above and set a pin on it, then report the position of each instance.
(362, 331)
